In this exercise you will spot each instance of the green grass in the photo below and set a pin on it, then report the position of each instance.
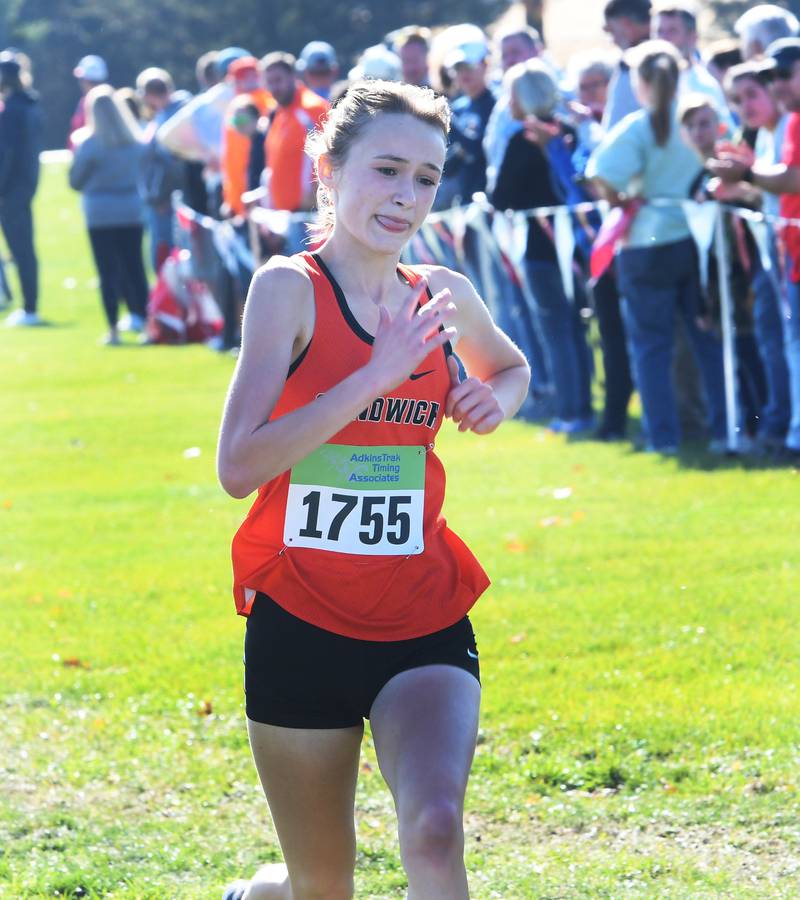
(639, 645)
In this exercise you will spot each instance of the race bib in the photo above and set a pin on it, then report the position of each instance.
(366, 501)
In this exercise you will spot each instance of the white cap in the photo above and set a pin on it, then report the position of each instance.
(377, 62)
(461, 44)
(317, 55)
(91, 68)
(471, 53)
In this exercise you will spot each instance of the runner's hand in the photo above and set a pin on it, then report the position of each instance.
(472, 403)
(402, 343)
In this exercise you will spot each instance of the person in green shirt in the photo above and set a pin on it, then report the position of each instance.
(644, 157)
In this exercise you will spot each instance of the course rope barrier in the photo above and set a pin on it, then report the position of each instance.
(499, 241)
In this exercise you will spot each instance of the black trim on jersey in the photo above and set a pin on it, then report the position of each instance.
(351, 319)
(447, 346)
(340, 299)
(296, 363)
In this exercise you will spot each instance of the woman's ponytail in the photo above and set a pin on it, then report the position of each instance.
(657, 64)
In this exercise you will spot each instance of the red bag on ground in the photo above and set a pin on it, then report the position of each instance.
(180, 308)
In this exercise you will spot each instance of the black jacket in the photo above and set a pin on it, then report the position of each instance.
(20, 144)
(524, 182)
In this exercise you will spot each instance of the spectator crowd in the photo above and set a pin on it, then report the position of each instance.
(661, 118)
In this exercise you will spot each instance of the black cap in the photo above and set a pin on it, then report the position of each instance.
(9, 64)
(780, 55)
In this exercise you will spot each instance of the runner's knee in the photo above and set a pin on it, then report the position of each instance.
(434, 832)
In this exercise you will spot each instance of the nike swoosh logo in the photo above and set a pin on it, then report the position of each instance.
(417, 375)
(473, 655)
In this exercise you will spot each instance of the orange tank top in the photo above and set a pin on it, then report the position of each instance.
(352, 538)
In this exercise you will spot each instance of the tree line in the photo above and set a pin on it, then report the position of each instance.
(131, 35)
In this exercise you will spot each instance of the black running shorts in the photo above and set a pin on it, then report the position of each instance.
(300, 676)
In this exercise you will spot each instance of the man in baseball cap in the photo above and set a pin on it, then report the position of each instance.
(318, 67)
(465, 166)
(90, 71)
(244, 75)
(93, 69)
(228, 55)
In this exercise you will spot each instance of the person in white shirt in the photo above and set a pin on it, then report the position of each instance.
(627, 22)
(677, 24)
(515, 45)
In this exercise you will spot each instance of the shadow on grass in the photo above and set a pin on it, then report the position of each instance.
(693, 455)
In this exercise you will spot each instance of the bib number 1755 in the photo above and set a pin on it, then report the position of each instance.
(369, 518)
(379, 515)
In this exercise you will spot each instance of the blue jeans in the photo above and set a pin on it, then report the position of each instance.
(658, 283)
(768, 326)
(616, 363)
(16, 220)
(564, 341)
(791, 334)
(161, 230)
(515, 318)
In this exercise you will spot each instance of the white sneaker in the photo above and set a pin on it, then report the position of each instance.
(131, 322)
(20, 318)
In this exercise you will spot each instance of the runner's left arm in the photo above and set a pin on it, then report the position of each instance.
(497, 371)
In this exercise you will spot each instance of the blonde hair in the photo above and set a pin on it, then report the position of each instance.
(533, 87)
(347, 119)
(109, 119)
(658, 65)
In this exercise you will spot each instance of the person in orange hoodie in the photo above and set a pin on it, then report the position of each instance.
(290, 179)
(246, 78)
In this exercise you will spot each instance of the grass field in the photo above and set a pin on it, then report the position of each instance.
(641, 721)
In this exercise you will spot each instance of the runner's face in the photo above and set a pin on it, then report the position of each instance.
(388, 181)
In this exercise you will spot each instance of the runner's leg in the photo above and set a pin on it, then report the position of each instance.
(425, 724)
(309, 779)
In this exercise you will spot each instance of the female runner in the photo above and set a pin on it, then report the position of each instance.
(356, 591)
